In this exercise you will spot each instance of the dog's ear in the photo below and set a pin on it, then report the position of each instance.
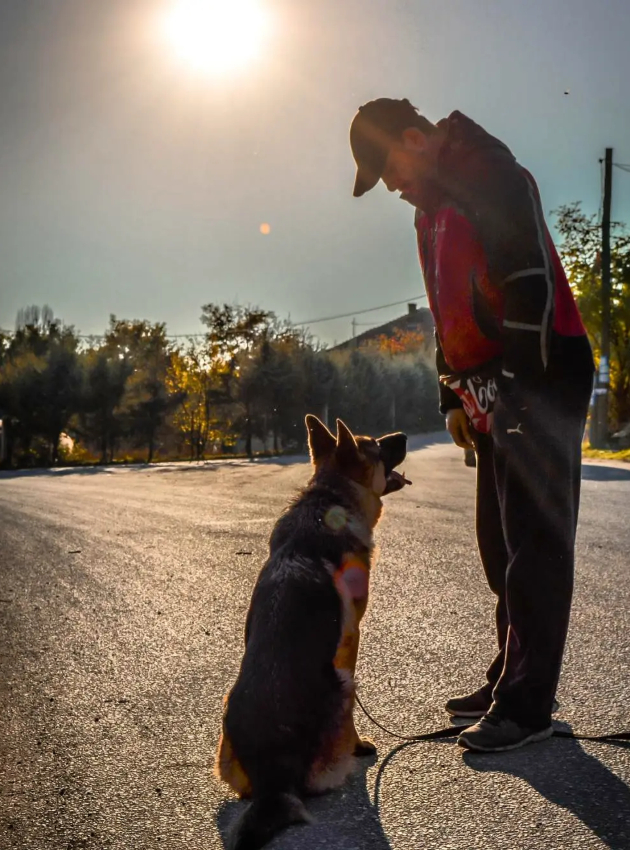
(346, 444)
(321, 442)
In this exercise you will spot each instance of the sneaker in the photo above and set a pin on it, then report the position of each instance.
(494, 734)
(477, 704)
(474, 705)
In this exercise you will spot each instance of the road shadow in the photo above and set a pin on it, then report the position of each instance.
(572, 778)
(344, 819)
(152, 468)
(54, 472)
(416, 441)
(602, 472)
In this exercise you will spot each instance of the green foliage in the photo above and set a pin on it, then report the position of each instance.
(580, 252)
(40, 385)
(198, 385)
(252, 379)
(148, 400)
(379, 392)
(105, 375)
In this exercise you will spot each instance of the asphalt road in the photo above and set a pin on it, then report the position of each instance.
(123, 594)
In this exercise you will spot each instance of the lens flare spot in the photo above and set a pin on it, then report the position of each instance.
(336, 518)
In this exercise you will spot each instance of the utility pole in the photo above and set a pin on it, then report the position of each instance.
(603, 377)
(354, 328)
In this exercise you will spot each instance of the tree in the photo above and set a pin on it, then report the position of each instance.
(322, 383)
(272, 387)
(60, 390)
(232, 330)
(364, 396)
(40, 383)
(106, 371)
(380, 390)
(148, 401)
(19, 384)
(401, 342)
(253, 376)
(243, 344)
(196, 419)
(5, 342)
(580, 253)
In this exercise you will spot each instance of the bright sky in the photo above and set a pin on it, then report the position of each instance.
(135, 180)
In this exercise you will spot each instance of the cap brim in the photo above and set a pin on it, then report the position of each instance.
(363, 183)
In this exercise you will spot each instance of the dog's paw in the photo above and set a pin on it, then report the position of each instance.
(364, 747)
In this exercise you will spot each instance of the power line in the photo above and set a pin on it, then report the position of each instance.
(357, 312)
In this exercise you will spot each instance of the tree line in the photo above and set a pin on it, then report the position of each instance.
(248, 384)
(135, 394)
(580, 251)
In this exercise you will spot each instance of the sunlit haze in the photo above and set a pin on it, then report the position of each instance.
(158, 155)
(216, 36)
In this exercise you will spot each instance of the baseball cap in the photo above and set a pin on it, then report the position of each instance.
(375, 126)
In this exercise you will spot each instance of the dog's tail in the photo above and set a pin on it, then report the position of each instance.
(265, 817)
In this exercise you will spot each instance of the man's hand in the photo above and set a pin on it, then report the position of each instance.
(459, 428)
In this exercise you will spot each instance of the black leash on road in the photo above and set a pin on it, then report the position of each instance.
(453, 731)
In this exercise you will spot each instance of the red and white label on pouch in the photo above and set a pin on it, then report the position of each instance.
(477, 395)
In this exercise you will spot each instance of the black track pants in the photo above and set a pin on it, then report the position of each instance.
(528, 490)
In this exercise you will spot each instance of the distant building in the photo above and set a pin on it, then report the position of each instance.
(415, 320)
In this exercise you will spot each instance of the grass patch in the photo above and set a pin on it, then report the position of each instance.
(605, 454)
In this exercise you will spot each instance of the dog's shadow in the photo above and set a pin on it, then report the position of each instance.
(343, 819)
(579, 782)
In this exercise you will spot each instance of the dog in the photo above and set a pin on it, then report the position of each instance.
(288, 728)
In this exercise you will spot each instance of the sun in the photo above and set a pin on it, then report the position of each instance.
(217, 36)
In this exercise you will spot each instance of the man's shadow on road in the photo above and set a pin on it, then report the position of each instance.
(578, 782)
(343, 819)
(601, 472)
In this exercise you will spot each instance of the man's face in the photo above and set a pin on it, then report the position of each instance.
(409, 162)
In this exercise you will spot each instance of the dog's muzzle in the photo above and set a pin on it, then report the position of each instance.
(393, 451)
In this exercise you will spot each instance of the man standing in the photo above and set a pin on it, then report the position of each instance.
(516, 372)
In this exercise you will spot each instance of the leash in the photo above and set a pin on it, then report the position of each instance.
(453, 731)
(449, 732)
(603, 739)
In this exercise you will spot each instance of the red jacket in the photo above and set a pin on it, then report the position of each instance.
(495, 283)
